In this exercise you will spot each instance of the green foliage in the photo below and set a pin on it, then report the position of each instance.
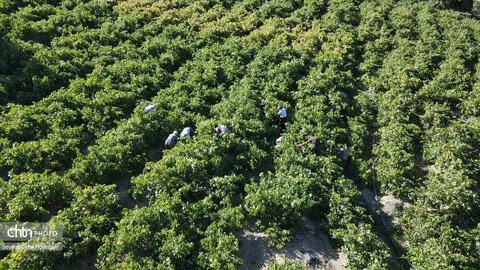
(54, 152)
(435, 244)
(154, 232)
(219, 251)
(396, 82)
(394, 164)
(287, 265)
(33, 196)
(277, 237)
(364, 249)
(28, 260)
(447, 3)
(91, 215)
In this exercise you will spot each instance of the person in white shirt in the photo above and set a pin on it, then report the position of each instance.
(279, 140)
(149, 108)
(186, 133)
(282, 114)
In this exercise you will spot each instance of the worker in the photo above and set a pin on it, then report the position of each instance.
(279, 140)
(150, 108)
(343, 153)
(314, 144)
(171, 140)
(221, 130)
(345, 96)
(346, 158)
(282, 115)
(186, 133)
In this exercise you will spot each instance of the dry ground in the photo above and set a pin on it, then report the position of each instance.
(257, 255)
(390, 208)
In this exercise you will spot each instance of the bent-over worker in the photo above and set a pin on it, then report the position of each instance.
(186, 133)
(314, 144)
(221, 130)
(171, 140)
(149, 108)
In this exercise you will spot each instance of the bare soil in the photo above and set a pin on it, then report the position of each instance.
(307, 241)
(390, 208)
(388, 211)
(123, 187)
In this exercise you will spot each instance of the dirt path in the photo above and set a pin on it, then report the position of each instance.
(306, 243)
(390, 208)
(387, 213)
(123, 187)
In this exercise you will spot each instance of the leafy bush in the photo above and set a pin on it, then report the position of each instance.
(33, 196)
(396, 82)
(91, 215)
